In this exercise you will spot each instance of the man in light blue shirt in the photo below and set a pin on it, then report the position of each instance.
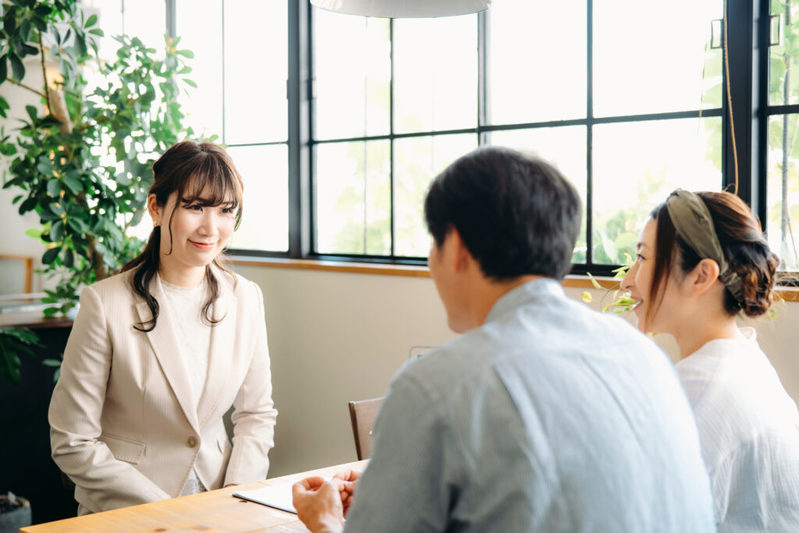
(543, 415)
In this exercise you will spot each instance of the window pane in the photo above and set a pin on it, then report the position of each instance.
(784, 56)
(435, 74)
(353, 198)
(146, 19)
(109, 17)
(199, 30)
(515, 74)
(633, 173)
(783, 190)
(651, 56)
(256, 70)
(564, 148)
(417, 161)
(352, 71)
(265, 220)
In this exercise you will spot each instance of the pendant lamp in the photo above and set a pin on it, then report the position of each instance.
(403, 8)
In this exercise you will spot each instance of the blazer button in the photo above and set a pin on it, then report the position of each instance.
(191, 442)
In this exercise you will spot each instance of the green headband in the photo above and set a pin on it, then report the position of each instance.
(693, 224)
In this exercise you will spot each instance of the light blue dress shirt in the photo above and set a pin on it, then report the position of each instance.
(549, 417)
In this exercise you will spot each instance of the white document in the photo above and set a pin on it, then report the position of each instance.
(279, 497)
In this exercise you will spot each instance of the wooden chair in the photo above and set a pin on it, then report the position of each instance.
(362, 415)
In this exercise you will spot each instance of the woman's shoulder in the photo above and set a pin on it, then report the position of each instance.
(116, 284)
(237, 285)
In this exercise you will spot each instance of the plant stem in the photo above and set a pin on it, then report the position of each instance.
(31, 89)
(44, 75)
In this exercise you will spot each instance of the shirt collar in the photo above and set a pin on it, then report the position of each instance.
(535, 290)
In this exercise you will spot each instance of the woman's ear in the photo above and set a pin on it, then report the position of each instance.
(156, 211)
(704, 275)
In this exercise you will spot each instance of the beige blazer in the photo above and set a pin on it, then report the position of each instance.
(122, 423)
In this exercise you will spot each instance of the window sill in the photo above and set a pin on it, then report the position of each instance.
(576, 281)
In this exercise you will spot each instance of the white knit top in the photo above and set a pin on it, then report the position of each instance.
(184, 305)
(749, 431)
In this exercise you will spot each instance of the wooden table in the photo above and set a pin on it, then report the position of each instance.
(216, 510)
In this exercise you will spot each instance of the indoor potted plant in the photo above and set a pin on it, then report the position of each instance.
(84, 164)
(15, 513)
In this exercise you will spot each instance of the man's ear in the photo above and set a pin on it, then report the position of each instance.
(156, 211)
(704, 276)
(461, 256)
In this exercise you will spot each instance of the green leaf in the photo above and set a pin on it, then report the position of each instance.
(185, 53)
(54, 188)
(3, 68)
(23, 335)
(47, 215)
(57, 231)
(50, 255)
(78, 225)
(32, 112)
(43, 165)
(69, 258)
(91, 21)
(98, 32)
(190, 83)
(80, 44)
(42, 10)
(594, 282)
(56, 208)
(73, 183)
(17, 68)
(36, 233)
(30, 50)
(9, 20)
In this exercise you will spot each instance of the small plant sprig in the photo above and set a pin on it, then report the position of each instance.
(13, 343)
(620, 299)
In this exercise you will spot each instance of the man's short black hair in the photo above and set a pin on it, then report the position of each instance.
(516, 215)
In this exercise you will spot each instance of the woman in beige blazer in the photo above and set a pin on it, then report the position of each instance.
(160, 352)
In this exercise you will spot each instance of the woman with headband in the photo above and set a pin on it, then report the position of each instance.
(702, 260)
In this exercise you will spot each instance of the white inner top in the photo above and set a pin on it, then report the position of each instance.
(185, 304)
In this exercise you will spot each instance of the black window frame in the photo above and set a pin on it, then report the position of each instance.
(744, 95)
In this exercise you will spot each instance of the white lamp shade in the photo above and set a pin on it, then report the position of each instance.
(403, 8)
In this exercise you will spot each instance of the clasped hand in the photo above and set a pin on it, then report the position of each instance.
(322, 504)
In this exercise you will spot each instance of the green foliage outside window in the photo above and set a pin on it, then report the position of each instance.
(783, 157)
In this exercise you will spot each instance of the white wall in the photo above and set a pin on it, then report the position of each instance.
(335, 337)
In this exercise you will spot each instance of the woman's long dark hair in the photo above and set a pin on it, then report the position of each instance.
(190, 169)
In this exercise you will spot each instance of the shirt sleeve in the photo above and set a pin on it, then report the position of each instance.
(410, 482)
(75, 411)
(254, 414)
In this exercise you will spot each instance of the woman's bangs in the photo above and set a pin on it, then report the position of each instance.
(212, 185)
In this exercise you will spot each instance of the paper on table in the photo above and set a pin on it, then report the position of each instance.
(279, 497)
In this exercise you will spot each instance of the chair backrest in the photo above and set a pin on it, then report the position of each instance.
(362, 415)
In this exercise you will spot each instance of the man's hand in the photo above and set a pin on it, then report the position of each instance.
(350, 478)
(319, 503)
